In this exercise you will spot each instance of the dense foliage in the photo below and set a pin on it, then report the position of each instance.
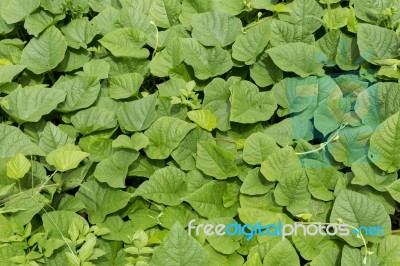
(122, 120)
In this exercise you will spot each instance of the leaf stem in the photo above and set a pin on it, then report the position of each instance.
(326, 143)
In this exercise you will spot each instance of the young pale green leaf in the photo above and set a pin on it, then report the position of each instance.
(336, 18)
(101, 200)
(358, 210)
(18, 166)
(215, 29)
(45, 52)
(377, 43)
(94, 119)
(204, 118)
(138, 115)
(300, 58)
(166, 186)
(207, 62)
(41, 101)
(125, 85)
(164, 135)
(66, 157)
(16, 10)
(126, 42)
(14, 141)
(248, 105)
(179, 249)
(214, 161)
(384, 150)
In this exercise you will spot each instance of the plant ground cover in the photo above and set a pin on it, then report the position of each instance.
(124, 120)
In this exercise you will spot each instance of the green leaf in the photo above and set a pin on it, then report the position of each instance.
(166, 186)
(351, 145)
(101, 200)
(248, 105)
(283, 32)
(113, 170)
(300, 58)
(16, 10)
(347, 55)
(336, 18)
(39, 20)
(387, 250)
(93, 119)
(292, 192)
(8, 72)
(311, 246)
(215, 29)
(184, 154)
(66, 157)
(44, 53)
(125, 85)
(41, 101)
(258, 147)
(165, 13)
(255, 183)
(306, 13)
(164, 135)
(82, 91)
(204, 118)
(358, 210)
(97, 68)
(18, 166)
(208, 201)
(328, 257)
(214, 161)
(280, 164)
(366, 173)
(264, 72)
(376, 43)
(328, 45)
(353, 256)
(283, 253)
(179, 249)
(206, 61)
(13, 141)
(126, 42)
(216, 99)
(138, 115)
(250, 44)
(378, 102)
(80, 32)
(384, 150)
(322, 178)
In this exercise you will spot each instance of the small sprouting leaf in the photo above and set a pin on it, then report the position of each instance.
(18, 166)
